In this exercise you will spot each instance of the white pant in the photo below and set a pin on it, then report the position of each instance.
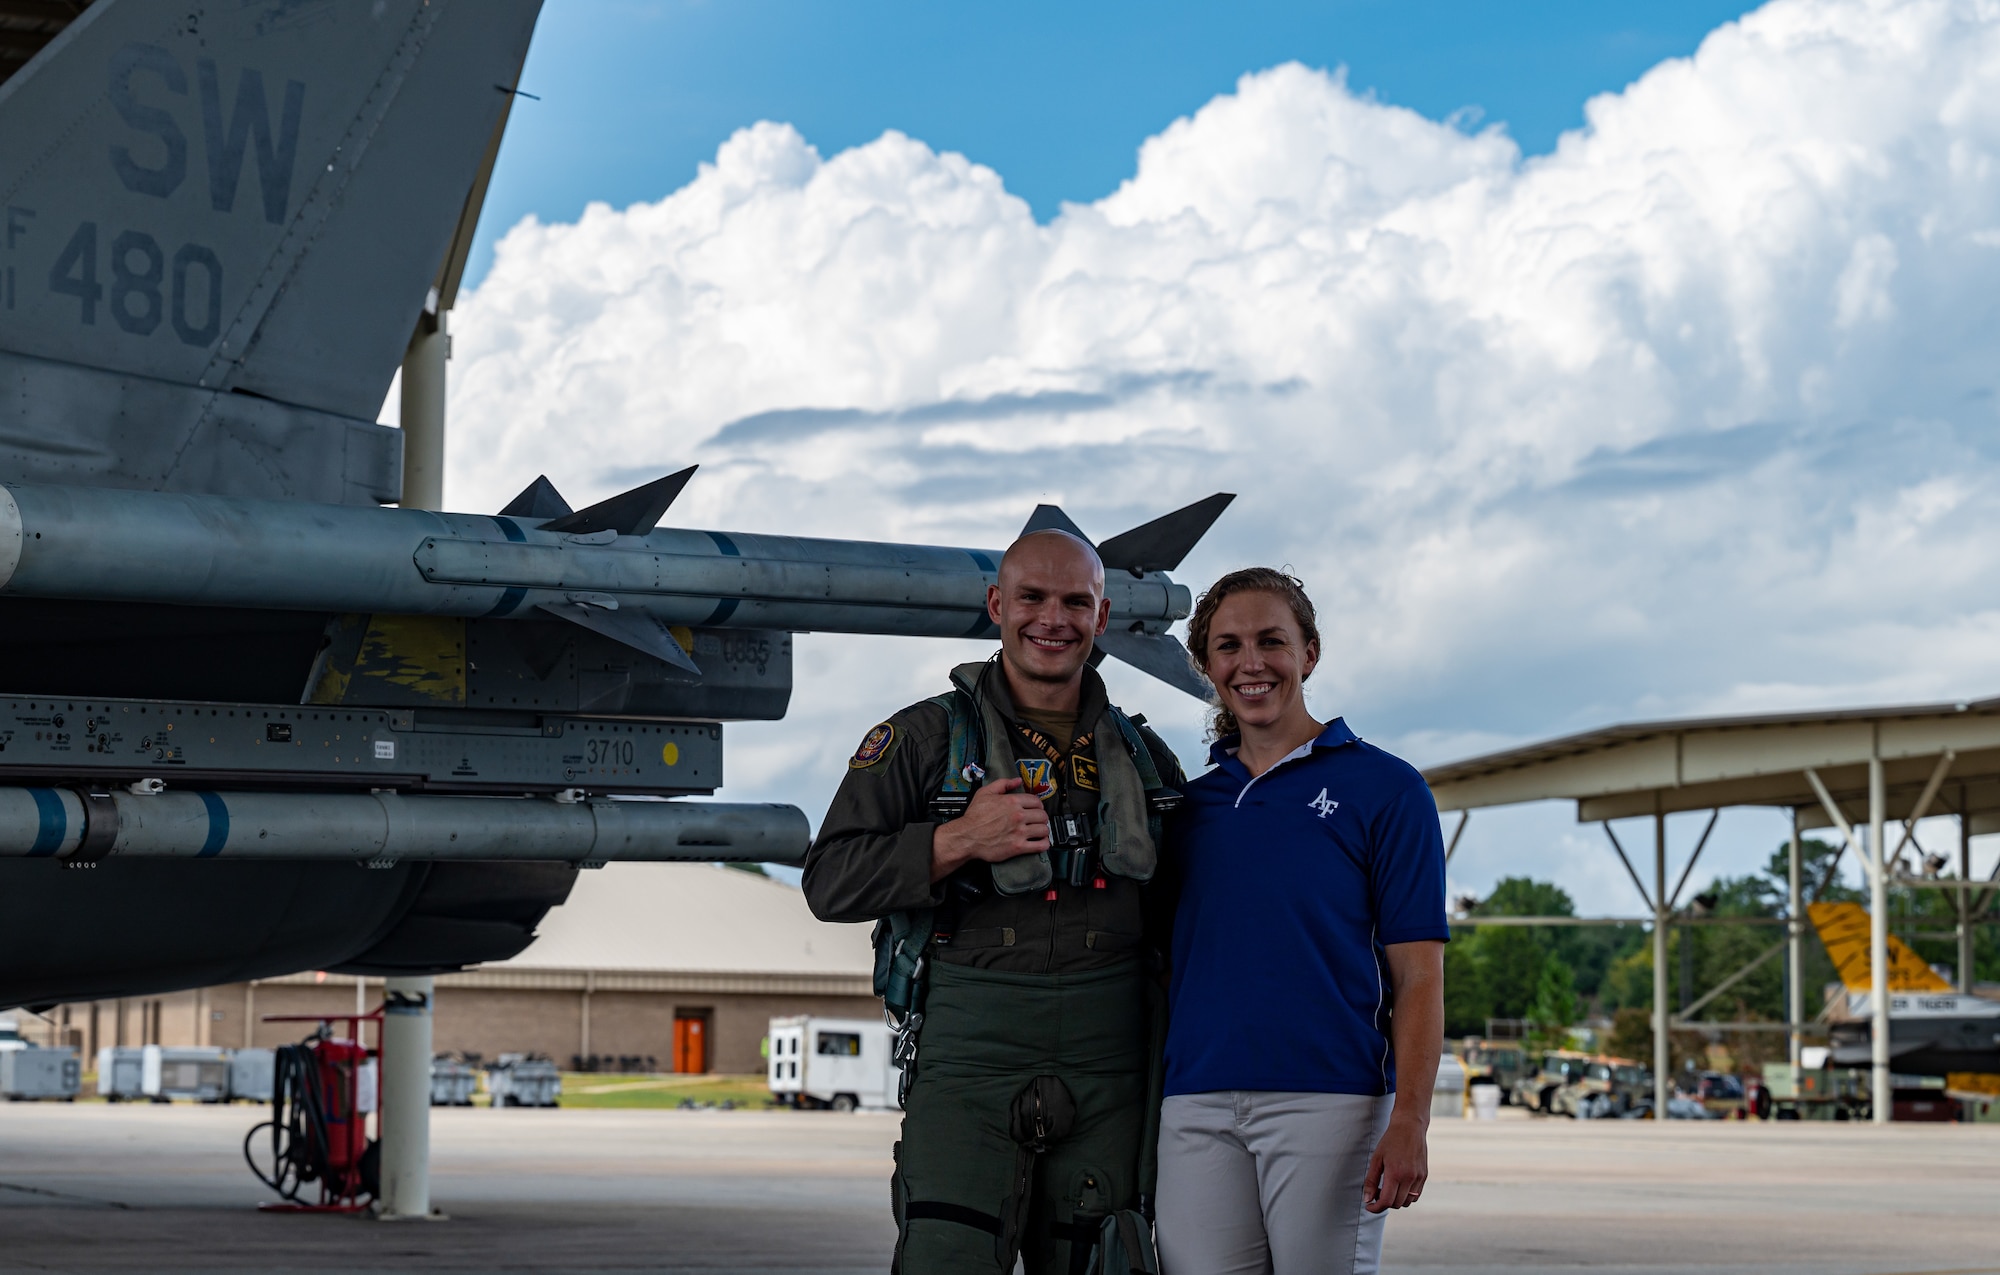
(1255, 1183)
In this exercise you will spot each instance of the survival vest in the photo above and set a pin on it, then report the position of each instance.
(1132, 804)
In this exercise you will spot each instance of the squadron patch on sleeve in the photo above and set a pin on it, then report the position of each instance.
(874, 747)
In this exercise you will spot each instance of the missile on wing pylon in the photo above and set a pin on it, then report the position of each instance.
(610, 568)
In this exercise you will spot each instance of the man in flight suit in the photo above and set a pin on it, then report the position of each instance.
(1029, 1099)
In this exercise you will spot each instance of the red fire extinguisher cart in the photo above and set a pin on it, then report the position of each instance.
(322, 1092)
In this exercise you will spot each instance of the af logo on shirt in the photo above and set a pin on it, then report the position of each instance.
(1322, 804)
(1038, 777)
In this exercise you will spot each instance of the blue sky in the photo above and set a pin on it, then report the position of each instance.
(1695, 416)
(1055, 97)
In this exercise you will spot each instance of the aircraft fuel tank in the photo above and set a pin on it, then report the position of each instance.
(383, 828)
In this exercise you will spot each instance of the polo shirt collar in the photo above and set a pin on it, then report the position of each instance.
(1223, 751)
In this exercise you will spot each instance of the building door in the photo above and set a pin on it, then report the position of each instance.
(690, 1043)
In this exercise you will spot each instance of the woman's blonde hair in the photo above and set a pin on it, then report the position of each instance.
(1269, 580)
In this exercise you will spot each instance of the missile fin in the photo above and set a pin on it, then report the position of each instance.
(632, 513)
(640, 632)
(1051, 518)
(1161, 544)
(539, 500)
(1162, 655)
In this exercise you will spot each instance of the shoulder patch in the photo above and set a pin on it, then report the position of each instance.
(875, 746)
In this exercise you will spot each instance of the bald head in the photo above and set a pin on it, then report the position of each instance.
(1052, 549)
(1049, 606)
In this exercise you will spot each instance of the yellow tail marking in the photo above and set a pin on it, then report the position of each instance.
(1843, 927)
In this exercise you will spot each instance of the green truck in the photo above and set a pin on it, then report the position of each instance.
(1812, 1093)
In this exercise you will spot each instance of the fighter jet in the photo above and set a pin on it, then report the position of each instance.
(253, 719)
(1934, 1029)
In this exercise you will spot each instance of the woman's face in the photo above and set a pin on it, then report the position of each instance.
(1258, 660)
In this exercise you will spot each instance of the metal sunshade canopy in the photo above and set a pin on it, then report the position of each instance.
(1850, 768)
(1647, 768)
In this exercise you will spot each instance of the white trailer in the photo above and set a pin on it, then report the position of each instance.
(841, 1063)
(159, 1073)
(28, 1074)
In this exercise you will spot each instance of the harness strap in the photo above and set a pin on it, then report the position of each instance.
(996, 936)
(1142, 756)
(1159, 798)
(1106, 941)
(957, 777)
(939, 1211)
(1082, 1235)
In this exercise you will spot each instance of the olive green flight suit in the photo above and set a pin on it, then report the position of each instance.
(1028, 1102)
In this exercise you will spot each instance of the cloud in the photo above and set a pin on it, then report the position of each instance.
(1695, 413)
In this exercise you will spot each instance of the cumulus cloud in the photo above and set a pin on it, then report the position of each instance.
(1695, 413)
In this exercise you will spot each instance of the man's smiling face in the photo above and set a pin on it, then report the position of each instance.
(1049, 605)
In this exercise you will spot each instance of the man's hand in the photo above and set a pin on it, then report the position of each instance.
(1400, 1166)
(1000, 823)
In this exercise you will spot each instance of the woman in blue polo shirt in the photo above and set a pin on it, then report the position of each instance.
(1308, 974)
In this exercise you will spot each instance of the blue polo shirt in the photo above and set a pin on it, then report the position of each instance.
(1293, 883)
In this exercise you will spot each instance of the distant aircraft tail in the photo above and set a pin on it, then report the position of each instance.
(1843, 928)
(220, 222)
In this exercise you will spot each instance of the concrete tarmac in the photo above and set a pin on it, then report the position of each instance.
(94, 1188)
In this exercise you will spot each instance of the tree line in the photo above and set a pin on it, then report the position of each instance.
(1553, 977)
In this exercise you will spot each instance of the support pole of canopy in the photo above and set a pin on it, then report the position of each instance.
(1963, 898)
(1662, 1055)
(1674, 899)
(1464, 817)
(1630, 871)
(1794, 934)
(1881, 1101)
(1742, 973)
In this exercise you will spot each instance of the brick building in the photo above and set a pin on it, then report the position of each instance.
(680, 964)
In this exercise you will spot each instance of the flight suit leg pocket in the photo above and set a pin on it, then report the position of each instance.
(899, 1200)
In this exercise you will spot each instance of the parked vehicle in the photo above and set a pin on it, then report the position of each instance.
(1604, 1087)
(838, 1063)
(1718, 1091)
(1536, 1089)
(1493, 1062)
(1812, 1093)
(452, 1081)
(29, 1073)
(161, 1073)
(520, 1080)
(1448, 1094)
(252, 1074)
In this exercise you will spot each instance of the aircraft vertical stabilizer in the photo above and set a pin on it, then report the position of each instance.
(219, 224)
(1843, 928)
